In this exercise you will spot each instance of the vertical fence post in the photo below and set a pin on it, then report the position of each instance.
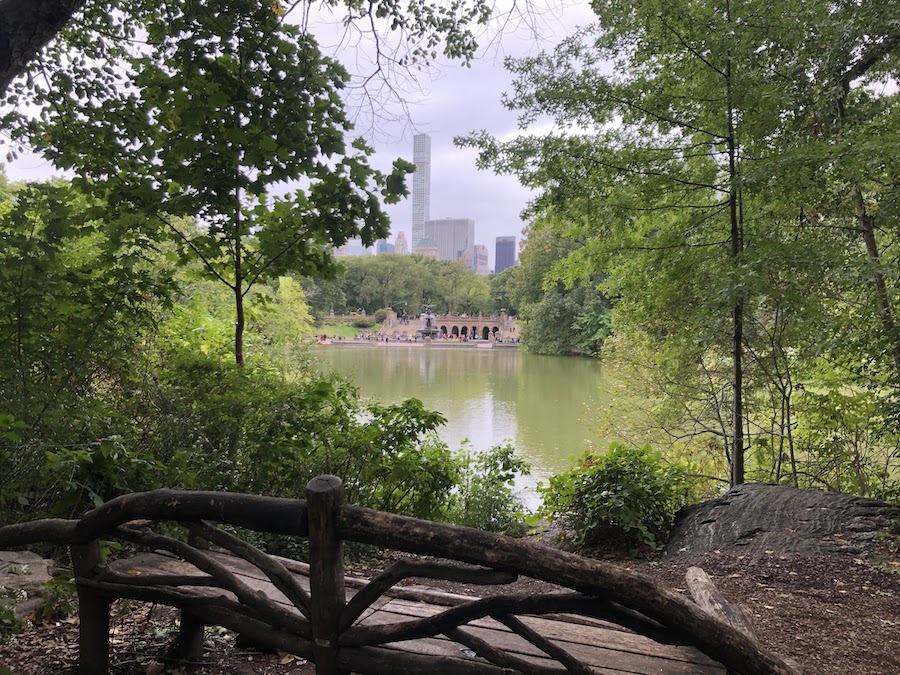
(324, 496)
(189, 642)
(93, 612)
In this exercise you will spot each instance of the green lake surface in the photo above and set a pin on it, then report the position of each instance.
(546, 406)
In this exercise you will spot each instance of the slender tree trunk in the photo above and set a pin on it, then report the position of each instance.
(737, 314)
(867, 229)
(239, 319)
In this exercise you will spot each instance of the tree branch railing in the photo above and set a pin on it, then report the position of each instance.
(323, 625)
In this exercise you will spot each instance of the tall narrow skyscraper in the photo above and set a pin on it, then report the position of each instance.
(505, 255)
(421, 193)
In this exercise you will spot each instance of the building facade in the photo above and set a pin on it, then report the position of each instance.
(427, 248)
(505, 253)
(384, 246)
(452, 236)
(421, 192)
(481, 259)
(353, 247)
(401, 245)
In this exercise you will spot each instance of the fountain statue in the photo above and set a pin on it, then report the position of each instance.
(429, 330)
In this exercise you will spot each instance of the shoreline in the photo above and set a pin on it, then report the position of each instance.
(437, 344)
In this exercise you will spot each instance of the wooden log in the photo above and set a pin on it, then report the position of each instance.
(718, 640)
(255, 512)
(381, 661)
(359, 636)
(499, 657)
(159, 579)
(711, 600)
(273, 612)
(324, 495)
(173, 597)
(280, 577)
(582, 636)
(554, 651)
(51, 530)
(189, 641)
(259, 632)
(404, 569)
(93, 612)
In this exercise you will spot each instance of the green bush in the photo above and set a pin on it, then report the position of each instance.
(486, 498)
(387, 455)
(628, 493)
(363, 322)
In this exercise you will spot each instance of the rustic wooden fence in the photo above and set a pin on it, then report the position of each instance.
(322, 625)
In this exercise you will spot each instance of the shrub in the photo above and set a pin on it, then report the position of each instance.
(629, 493)
(486, 498)
(363, 322)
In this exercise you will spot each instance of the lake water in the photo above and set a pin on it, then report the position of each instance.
(545, 405)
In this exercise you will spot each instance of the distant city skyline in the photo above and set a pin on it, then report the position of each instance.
(456, 188)
(446, 101)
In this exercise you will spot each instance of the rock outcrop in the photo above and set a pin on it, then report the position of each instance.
(757, 519)
(22, 578)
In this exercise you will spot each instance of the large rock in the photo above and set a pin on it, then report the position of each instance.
(22, 578)
(756, 519)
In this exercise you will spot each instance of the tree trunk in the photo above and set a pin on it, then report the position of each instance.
(867, 229)
(26, 27)
(239, 318)
(737, 314)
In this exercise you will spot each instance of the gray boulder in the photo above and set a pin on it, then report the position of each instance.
(23, 575)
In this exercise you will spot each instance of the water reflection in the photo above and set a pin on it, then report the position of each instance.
(545, 405)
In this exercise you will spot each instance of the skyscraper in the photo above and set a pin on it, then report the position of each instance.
(453, 237)
(480, 264)
(505, 253)
(421, 193)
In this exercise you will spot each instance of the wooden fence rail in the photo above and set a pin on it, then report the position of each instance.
(314, 618)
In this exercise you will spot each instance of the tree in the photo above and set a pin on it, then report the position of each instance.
(500, 284)
(227, 103)
(560, 316)
(27, 26)
(682, 116)
(325, 296)
(79, 293)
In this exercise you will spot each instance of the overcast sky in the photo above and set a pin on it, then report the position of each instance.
(451, 100)
(457, 100)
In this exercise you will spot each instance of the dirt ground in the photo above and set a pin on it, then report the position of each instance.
(835, 615)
